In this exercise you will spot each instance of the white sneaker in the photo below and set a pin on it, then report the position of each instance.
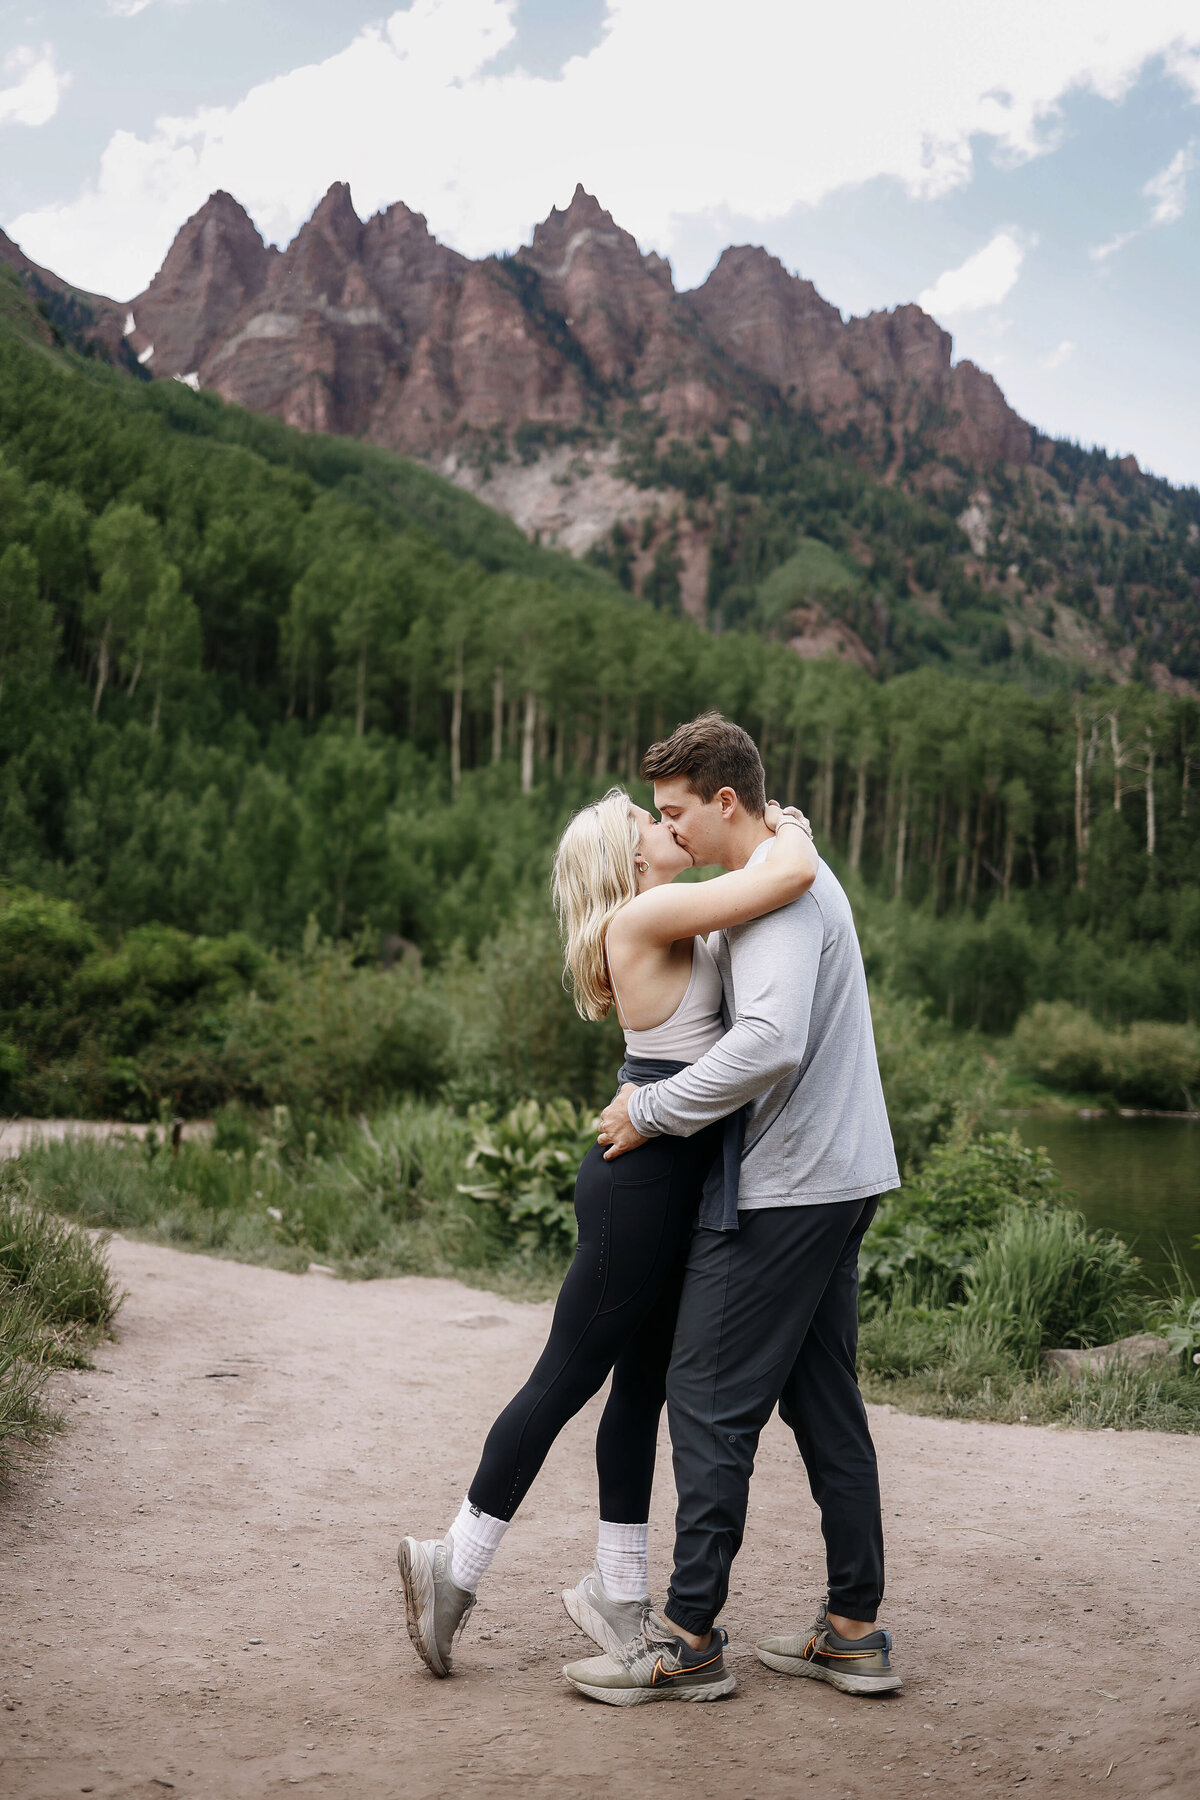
(609, 1623)
(435, 1608)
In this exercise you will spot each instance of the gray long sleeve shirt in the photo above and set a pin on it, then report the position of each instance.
(801, 1049)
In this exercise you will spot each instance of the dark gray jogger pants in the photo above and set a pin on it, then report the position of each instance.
(769, 1314)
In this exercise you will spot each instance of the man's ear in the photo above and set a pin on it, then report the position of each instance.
(728, 802)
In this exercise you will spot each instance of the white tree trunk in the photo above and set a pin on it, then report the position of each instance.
(360, 698)
(859, 820)
(528, 734)
(1118, 756)
(827, 788)
(498, 714)
(101, 672)
(456, 713)
(1081, 804)
(602, 740)
(901, 833)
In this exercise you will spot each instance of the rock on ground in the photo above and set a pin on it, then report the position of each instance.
(199, 1591)
(1137, 1352)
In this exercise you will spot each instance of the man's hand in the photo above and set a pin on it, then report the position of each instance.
(615, 1128)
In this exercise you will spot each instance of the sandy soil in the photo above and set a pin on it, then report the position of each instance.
(199, 1591)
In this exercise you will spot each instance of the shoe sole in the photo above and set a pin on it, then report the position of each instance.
(419, 1605)
(639, 1696)
(589, 1621)
(845, 1684)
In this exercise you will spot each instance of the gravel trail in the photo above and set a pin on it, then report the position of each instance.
(199, 1592)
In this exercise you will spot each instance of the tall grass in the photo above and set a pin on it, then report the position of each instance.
(368, 1197)
(23, 1371)
(1041, 1279)
(979, 1265)
(968, 1275)
(56, 1295)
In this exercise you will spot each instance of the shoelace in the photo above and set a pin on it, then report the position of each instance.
(458, 1629)
(642, 1644)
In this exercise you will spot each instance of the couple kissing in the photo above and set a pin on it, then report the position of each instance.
(720, 1216)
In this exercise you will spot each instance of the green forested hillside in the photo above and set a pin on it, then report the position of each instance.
(258, 683)
(1079, 557)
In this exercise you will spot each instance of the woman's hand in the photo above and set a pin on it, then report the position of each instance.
(775, 813)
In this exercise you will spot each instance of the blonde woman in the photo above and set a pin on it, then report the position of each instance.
(634, 941)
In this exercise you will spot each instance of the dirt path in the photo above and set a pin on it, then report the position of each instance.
(199, 1592)
(17, 1134)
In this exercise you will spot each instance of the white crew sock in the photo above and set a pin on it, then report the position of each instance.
(474, 1539)
(622, 1561)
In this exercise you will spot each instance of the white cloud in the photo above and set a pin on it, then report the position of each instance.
(1168, 190)
(34, 96)
(1110, 246)
(129, 9)
(753, 110)
(985, 279)
(1060, 355)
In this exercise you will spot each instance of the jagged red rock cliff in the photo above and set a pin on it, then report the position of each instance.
(377, 330)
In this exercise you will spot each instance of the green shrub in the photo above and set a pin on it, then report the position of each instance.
(329, 1033)
(975, 970)
(967, 1181)
(1064, 1047)
(920, 1247)
(903, 1260)
(1158, 1065)
(516, 1034)
(1147, 1063)
(525, 1166)
(42, 943)
(931, 1075)
(1179, 1323)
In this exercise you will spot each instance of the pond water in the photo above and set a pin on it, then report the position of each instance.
(1140, 1177)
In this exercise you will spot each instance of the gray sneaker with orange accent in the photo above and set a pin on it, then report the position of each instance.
(654, 1665)
(853, 1665)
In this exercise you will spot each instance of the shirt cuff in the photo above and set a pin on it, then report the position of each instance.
(639, 1114)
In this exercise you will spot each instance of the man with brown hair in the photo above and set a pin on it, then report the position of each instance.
(769, 1313)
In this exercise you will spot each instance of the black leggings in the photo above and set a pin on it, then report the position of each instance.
(616, 1310)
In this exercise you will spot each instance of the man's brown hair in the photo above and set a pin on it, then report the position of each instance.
(710, 754)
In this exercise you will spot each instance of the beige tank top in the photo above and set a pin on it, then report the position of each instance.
(695, 1025)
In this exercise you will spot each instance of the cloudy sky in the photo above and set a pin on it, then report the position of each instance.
(1029, 170)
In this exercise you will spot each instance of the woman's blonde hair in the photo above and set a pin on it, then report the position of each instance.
(594, 877)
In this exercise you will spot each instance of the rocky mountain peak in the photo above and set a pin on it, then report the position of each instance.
(377, 329)
(582, 227)
(335, 218)
(220, 238)
(320, 251)
(217, 263)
